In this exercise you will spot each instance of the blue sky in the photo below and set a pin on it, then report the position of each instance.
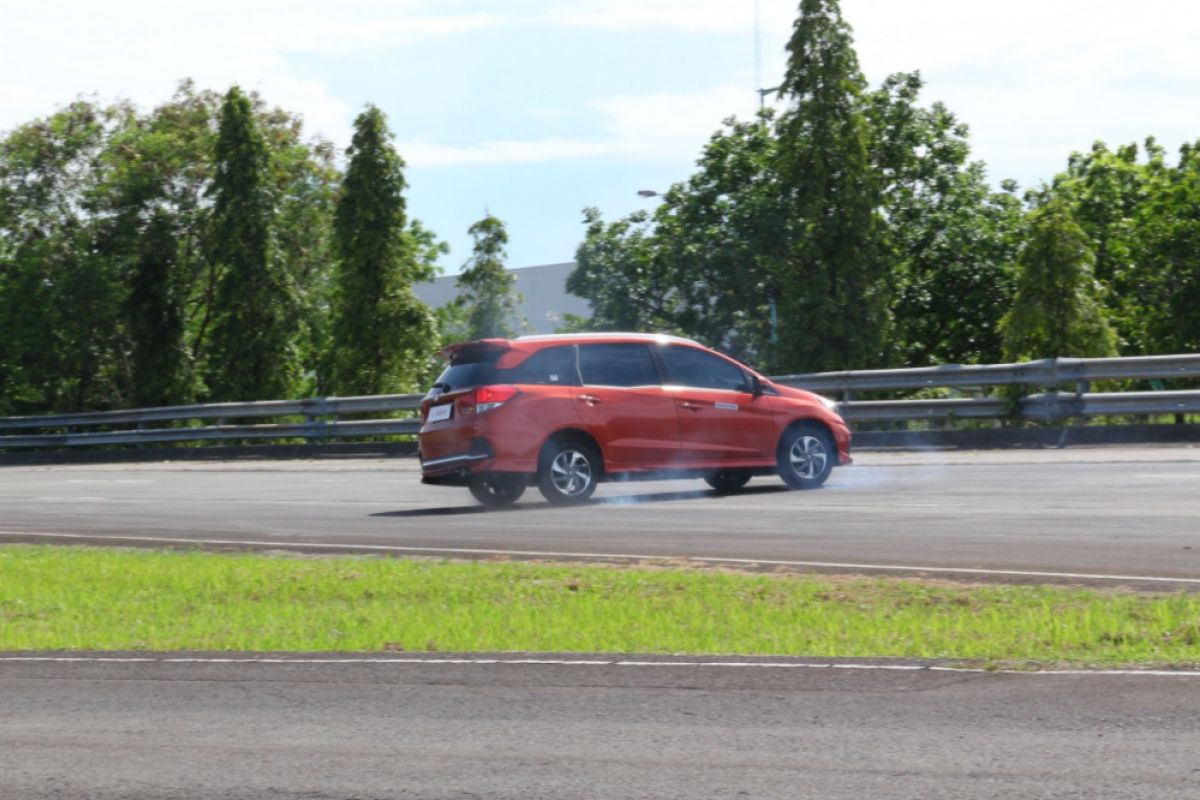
(534, 109)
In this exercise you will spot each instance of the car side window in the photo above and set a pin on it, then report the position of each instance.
(554, 366)
(697, 369)
(617, 365)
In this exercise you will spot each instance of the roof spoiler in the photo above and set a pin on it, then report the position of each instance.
(451, 352)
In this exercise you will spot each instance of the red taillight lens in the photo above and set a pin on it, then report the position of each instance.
(485, 398)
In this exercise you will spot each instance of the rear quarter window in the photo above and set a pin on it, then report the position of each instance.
(554, 366)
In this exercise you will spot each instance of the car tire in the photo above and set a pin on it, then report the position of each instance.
(727, 480)
(806, 456)
(494, 491)
(568, 471)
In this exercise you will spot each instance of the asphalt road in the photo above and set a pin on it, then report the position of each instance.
(1054, 514)
(142, 731)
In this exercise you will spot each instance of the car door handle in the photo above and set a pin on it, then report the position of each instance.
(591, 399)
(688, 404)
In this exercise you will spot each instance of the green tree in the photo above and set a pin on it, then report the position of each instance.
(1058, 310)
(615, 271)
(951, 240)
(1108, 193)
(486, 287)
(701, 264)
(62, 341)
(379, 329)
(156, 322)
(252, 355)
(1171, 231)
(832, 278)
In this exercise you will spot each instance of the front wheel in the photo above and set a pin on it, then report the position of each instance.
(568, 471)
(494, 491)
(728, 480)
(806, 457)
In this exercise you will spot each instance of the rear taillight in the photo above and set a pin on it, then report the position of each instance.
(485, 398)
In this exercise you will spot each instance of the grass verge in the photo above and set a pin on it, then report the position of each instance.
(102, 599)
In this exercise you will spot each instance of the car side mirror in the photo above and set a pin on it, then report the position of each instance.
(756, 386)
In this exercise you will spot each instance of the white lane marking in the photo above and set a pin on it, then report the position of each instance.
(55, 498)
(1169, 476)
(577, 662)
(468, 551)
(111, 480)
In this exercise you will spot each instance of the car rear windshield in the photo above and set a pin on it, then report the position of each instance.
(468, 368)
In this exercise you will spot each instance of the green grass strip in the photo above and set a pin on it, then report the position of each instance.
(104, 599)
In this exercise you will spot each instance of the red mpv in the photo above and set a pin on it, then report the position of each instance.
(567, 411)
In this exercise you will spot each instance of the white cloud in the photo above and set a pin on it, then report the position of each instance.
(655, 125)
(429, 154)
(51, 52)
(1036, 79)
(669, 122)
(692, 16)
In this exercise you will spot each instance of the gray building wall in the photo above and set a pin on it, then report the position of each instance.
(544, 288)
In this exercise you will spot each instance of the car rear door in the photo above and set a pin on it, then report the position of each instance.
(623, 405)
(721, 421)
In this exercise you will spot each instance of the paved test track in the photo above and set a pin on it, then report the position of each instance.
(1081, 512)
(373, 730)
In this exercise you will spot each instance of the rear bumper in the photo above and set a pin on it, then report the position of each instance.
(456, 467)
(453, 462)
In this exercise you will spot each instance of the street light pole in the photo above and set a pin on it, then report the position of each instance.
(762, 95)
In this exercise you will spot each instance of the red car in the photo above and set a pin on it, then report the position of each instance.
(567, 411)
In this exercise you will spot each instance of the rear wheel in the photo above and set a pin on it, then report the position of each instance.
(727, 480)
(495, 491)
(568, 471)
(806, 457)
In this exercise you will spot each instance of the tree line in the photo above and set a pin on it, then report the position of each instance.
(852, 229)
(205, 251)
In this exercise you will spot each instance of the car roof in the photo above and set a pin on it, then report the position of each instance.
(614, 336)
(530, 344)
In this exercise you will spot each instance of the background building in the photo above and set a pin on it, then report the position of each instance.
(544, 288)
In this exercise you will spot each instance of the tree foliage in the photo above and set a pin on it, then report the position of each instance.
(159, 362)
(1057, 310)
(951, 241)
(851, 230)
(97, 309)
(380, 329)
(62, 344)
(831, 282)
(486, 288)
(253, 354)
(207, 249)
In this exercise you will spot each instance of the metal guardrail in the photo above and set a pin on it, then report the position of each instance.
(1049, 407)
(315, 426)
(322, 414)
(1047, 372)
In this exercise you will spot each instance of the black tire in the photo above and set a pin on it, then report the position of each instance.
(806, 456)
(494, 491)
(728, 480)
(568, 471)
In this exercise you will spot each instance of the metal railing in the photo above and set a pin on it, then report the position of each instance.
(1043, 407)
(321, 422)
(321, 416)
